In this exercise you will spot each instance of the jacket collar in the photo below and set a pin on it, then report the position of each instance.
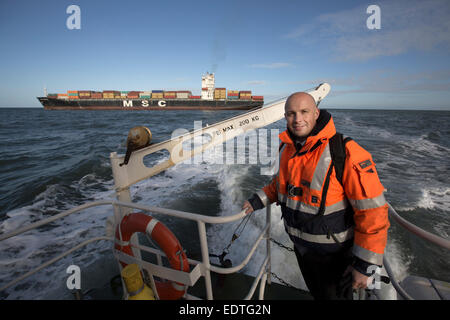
(324, 129)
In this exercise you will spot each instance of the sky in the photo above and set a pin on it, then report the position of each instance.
(273, 48)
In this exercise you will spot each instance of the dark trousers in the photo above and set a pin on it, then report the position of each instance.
(323, 274)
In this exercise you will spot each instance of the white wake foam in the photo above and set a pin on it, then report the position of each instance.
(20, 254)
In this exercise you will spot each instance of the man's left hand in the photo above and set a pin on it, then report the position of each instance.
(359, 280)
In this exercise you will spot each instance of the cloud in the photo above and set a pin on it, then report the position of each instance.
(389, 81)
(274, 65)
(405, 26)
(297, 33)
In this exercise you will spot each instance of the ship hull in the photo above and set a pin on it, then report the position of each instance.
(147, 104)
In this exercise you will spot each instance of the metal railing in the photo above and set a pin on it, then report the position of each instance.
(202, 268)
(444, 243)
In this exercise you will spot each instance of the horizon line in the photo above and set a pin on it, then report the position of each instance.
(329, 107)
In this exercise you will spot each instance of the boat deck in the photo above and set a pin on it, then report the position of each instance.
(225, 287)
(235, 286)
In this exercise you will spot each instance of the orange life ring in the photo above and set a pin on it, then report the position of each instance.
(140, 222)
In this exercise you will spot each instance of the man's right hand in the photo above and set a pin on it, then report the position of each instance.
(248, 207)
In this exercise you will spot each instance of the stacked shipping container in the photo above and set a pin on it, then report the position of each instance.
(219, 94)
(72, 94)
(157, 94)
(110, 94)
(170, 94)
(62, 96)
(145, 95)
(245, 95)
(233, 94)
(84, 94)
(96, 95)
(183, 94)
(133, 94)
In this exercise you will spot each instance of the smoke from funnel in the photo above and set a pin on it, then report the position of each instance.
(229, 26)
(219, 52)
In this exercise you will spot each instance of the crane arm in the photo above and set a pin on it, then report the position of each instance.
(135, 171)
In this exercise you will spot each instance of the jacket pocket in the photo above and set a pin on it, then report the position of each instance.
(368, 178)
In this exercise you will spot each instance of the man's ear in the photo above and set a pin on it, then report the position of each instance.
(316, 113)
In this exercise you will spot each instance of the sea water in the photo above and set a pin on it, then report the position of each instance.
(51, 161)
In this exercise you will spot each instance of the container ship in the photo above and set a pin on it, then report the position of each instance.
(211, 98)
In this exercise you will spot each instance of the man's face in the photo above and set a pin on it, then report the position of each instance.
(301, 114)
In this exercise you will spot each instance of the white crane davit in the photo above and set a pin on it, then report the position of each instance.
(136, 170)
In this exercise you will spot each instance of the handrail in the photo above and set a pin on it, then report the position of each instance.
(201, 220)
(444, 243)
(210, 219)
(53, 218)
(183, 214)
(170, 212)
(396, 285)
(257, 279)
(46, 264)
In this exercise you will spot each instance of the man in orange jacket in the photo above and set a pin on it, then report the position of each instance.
(338, 239)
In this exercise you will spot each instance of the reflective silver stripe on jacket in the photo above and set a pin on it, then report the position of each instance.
(282, 197)
(317, 181)
(319, 238)
(367, 255)
(370, 203)
(306, 208)
(263, 197)
(321, 169)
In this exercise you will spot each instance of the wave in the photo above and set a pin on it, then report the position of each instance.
(24, 252)
(19, 256)
(88, 179)
(386, 132)
(431, 198)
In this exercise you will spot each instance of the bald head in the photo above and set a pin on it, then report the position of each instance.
(301, 114)
(300, 98)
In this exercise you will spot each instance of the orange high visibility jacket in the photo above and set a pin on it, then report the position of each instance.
(356, 212)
